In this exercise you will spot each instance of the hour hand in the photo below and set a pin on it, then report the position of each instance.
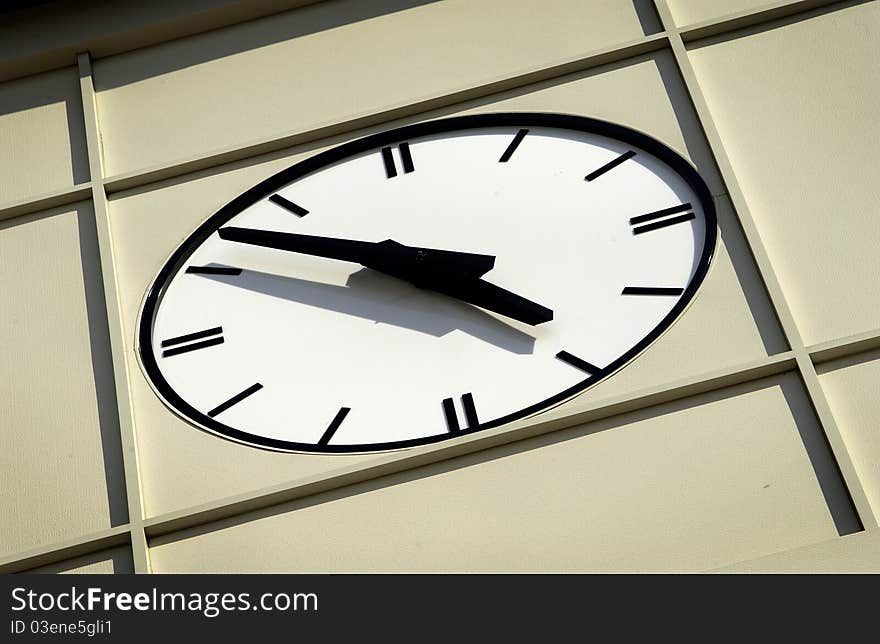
(389, 256)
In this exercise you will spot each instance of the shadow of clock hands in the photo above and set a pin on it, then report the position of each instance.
(386, 300)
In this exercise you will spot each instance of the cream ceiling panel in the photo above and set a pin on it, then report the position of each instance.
(60, 460)
(331, 62)
(106, 562)
(852, 385)
(688, 12)
(682, 487)
(796, 105)
(853, 554)
(39, 36)
(184, 466)
(42, 135)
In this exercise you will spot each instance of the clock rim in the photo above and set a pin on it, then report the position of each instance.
(153, 297)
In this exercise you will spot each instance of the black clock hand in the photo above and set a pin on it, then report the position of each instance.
(448, 272)
(405, 262)
(493, 298)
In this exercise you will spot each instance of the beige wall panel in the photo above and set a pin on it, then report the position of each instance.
(852, 385)
(184, 466)
(43, 37)
(681, 487)
(688, 12)
(854, 553)
(330, 62)
(796, 105)
(43, 138)
(60, 461)
(107, 562)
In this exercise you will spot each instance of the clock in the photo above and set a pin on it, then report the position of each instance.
(427, 281)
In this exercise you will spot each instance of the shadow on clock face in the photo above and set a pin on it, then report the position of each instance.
(387, 300)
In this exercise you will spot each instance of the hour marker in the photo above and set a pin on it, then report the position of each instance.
(513, 146)
(405, 157)
(577, 363)
(659, 214)
(237, 398)
(334, 425)
(388, 160)
(451, 416)
(213, 270)
(188, 342)
(287, 204)
(651, 290)
(470, 413)
(610, 165)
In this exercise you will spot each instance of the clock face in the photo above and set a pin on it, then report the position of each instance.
(288, 321)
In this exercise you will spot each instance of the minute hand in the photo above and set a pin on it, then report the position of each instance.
(389, 256)
(494, 298)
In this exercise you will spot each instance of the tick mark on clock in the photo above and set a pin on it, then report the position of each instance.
(287, 204)
(595, 174)
(188, 342)
(577, 363)
(513, 146)
(651, 290)
(334, 425)
(405, 157)
(388, 160)
(213, 270)
(658, 215)
(470, 413)
(237, 398)
(451, 416)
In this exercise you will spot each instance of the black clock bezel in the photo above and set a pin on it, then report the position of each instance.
(374, 142)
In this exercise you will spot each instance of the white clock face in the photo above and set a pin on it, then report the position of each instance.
(268, 337)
